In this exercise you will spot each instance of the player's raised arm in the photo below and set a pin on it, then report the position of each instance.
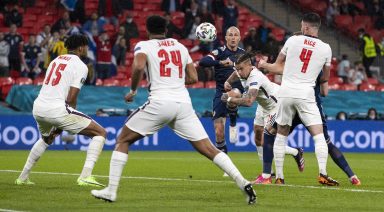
(210, 60)
(231, 79)
(138, 67)
(190, 74)
(276, 68)
(246, 101)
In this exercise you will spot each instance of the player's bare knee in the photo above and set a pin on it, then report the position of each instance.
(258, 130)
(271, 130)
(283, 129)
(102, 132)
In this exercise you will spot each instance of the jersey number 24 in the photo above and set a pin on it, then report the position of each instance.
(176, 60)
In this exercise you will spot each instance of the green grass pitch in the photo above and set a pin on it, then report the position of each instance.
(186, 181)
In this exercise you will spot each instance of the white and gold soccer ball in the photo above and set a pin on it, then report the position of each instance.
(206, 32)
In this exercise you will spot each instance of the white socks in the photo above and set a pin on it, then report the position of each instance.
(260, 152)
(116, 166)
(321, 150)
(37, 150)
(279, 154)
(93, 152)
(291, 151)
(224, 162)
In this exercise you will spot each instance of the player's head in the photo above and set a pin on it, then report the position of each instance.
(156, 25)
(232, 37)
(243, 64)
(77, 44)
(310, 23)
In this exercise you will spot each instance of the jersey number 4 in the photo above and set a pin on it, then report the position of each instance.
(305, 56)
(176, 60)
(55, 80)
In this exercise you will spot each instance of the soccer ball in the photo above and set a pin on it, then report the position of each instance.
(206, 32)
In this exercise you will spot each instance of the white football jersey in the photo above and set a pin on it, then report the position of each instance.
(166, 63)
(267, 96)
(305, 58)
(63, 72)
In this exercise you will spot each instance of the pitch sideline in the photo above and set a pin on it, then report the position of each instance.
(206, 181)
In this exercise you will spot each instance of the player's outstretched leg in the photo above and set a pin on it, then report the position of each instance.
(338, 157)
(298, 155)
(265, 177)
(232, 113)
(219, 124)
(95, 147)
(36, 152)
(321, 151)
(118, 160)
(225, 163)
(279, 154)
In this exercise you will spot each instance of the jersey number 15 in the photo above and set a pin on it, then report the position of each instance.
(176, 60)
(55, 80)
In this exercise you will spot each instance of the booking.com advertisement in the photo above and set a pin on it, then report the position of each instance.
(20, 133)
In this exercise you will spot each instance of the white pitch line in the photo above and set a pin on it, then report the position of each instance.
(9, 210)
(206, 181)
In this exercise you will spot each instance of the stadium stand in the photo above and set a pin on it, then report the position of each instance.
(49, 11)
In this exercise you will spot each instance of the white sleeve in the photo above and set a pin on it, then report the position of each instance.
(286, 46)
(140, 48)
(256, 80)
(79, 76)
(328, 56)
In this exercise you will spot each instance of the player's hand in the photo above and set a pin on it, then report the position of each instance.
(227, 86)
(130, 96)
(226, 62)
(224, 97)
(262, 61)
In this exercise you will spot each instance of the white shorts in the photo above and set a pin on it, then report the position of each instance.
(155, 114)
(73, 122)
(306, 109)
(264, 117)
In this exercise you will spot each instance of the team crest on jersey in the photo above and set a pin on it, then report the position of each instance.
(82, 80)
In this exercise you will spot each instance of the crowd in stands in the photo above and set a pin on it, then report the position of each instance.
(362, 21)
(115, 26)
(371, 115)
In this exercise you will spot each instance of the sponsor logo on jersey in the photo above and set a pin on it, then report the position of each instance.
(253, 83)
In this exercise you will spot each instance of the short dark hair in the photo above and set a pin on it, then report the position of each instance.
(156, 24)
(246, 56)
(75, 41)
(313, 19)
